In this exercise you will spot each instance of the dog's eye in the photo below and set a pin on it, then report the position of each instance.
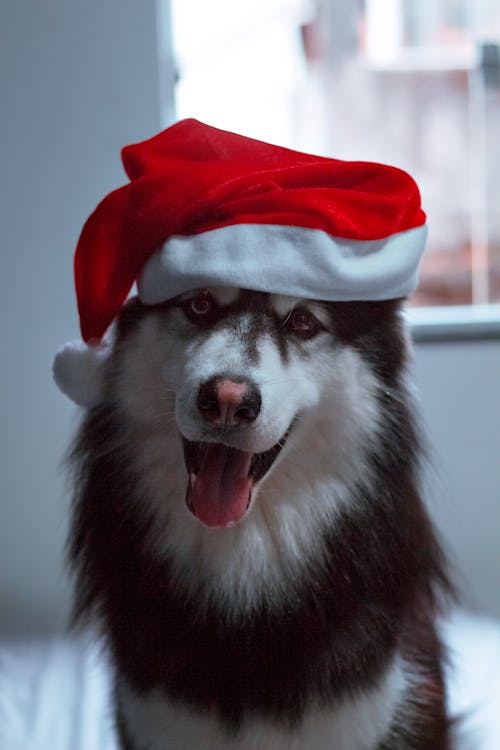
(200, 307)
(303, 323)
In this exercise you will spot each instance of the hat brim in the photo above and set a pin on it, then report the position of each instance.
(297, 261)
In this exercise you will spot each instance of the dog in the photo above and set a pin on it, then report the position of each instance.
(249, 532)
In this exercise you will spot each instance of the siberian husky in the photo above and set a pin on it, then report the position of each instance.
(249, 532)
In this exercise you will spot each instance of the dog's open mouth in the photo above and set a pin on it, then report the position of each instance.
(221, 479)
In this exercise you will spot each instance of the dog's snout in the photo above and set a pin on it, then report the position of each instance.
(228, 403)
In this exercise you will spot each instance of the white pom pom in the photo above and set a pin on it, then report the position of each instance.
(78, 371)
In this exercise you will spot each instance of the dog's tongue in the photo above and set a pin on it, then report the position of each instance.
(221, 491)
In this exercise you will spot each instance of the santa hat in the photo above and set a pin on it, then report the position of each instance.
(206, 207)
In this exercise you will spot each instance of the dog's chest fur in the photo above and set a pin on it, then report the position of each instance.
(357, 723)
(310, 622)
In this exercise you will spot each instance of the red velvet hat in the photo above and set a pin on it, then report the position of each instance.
(206, 207)
(191, 180)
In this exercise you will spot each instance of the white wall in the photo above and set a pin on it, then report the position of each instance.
(459, 386)
(77, 81)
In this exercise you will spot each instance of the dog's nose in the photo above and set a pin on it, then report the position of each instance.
(227, 402)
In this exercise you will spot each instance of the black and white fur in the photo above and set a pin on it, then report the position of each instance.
(309, 623)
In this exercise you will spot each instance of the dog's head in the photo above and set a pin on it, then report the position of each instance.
(238, 387)
(237, 432)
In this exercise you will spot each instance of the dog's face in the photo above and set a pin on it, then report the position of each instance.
(246, 409)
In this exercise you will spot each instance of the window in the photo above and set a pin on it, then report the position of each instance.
(414, 83)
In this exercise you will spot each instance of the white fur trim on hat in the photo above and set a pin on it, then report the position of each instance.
(307, 263)
(78, 371)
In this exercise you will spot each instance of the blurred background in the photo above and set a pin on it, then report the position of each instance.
(415, 83)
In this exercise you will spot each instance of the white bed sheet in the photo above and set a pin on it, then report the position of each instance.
(54, 693)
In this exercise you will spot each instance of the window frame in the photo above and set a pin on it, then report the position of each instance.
(454, 323)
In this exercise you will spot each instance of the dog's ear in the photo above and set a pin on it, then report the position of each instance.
(78, 371)
(131, 314)
(355, 320)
